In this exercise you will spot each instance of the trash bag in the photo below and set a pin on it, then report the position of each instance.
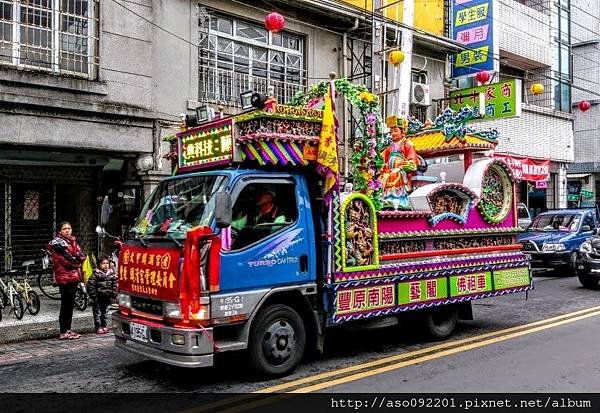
(87, 269)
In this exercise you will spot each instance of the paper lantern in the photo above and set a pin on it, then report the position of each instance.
(482, 76)
(396, 57)
(584, 105)
(537, 89)
(274, 22)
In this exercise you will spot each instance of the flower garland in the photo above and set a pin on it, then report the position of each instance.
(369, 139)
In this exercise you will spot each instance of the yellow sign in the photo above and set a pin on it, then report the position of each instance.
(428, 14)
(471, 57)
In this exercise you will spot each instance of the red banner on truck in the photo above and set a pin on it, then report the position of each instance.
(149, 271)
(527, 169)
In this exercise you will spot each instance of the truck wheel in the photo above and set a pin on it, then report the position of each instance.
(277, 341)
(439, 323)
(588, 282)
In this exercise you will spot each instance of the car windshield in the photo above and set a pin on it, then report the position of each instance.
(177, 205)
(556, 222)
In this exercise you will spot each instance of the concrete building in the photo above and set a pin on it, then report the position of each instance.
(584, 174)
(534, 46)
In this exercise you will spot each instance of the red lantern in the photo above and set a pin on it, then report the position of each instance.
(482, 76)
(274, 22)
(584, 105)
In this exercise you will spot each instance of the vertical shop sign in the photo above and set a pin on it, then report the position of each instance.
(473, 24)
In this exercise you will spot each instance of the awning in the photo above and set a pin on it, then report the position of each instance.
(578, 175)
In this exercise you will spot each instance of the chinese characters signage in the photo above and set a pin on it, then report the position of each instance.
(149, 271)
(205, 146)
(527, 169)
(370, 298)
(473, 26)
(470, 284)
(502, 100)
(512, 277)
(419, 291)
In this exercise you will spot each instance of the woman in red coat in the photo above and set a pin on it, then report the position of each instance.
(67, 259)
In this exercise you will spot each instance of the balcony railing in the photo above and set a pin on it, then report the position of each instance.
(222, 86)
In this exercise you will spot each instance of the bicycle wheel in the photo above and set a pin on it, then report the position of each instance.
(81, 300)
(18, 306)
(33, 305)
(47, 285)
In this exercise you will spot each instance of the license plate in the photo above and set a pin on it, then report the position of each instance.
(139, 332)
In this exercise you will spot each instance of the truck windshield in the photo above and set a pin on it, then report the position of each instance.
(557, 222)
(177, 205)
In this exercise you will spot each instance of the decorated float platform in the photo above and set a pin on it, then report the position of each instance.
(394, 246)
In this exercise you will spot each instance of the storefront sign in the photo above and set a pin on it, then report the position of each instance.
(541, 184)
(370, 298)
(149, 271)
(573, 197)
(587, 194)
(502, 100)
(527, 169)
(205, 146)
(473, 25)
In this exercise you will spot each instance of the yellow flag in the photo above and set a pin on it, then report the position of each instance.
(327, 158)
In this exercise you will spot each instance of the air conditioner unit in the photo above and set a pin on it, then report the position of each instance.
(420, 94)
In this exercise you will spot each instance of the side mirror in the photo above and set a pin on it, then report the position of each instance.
(100, 231)
(223, 209)
(586, 228)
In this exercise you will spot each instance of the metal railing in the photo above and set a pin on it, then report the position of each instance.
(221, 86)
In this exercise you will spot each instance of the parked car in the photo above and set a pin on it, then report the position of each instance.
(588, 262)
(523, 215)
(553, 239)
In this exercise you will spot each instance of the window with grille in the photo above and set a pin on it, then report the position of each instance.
(236, 56)
(31, 206)
(58, 36)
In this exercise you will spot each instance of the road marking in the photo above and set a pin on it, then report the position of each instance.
(434, 356)
(442, 346)
(385, 364)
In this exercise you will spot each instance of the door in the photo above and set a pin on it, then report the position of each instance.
(31, 221)
(272, 236)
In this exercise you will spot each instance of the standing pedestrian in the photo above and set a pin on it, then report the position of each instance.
(67, 259)
(102, 288)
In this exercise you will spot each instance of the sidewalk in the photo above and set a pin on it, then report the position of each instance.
(42, 325)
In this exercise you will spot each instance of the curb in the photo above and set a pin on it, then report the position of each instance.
(42, 330)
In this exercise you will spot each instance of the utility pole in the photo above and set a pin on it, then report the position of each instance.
(406, 66)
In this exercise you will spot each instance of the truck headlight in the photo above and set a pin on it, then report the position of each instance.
(124, 300)
(554, 247)
(586, 247)
(172, 310)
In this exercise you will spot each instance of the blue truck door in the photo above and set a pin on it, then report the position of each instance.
(272, 251)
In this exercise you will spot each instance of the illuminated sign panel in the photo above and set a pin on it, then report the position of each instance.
(205, 146)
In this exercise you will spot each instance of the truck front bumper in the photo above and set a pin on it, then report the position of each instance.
(196, 351)
(549, 259)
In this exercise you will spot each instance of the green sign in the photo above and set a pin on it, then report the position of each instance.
(502, 100)
(587, 194)
(470, 283)
(418, 291)
(512, 277)
(205, 146)
(573, 197)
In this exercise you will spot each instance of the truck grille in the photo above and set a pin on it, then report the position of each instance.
(147, 305)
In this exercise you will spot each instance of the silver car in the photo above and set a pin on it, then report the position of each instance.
(524, 216)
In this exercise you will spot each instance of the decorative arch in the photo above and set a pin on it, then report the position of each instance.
(360, 247)
(370, 139)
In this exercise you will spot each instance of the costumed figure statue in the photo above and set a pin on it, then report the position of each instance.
(400, 164)
(359, 236)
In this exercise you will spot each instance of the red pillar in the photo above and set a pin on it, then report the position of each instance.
(468, 159)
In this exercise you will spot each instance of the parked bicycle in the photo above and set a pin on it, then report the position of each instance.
(49, 288)
(30, 297)
(10, 295)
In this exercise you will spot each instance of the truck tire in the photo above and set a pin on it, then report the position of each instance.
(277, 341)
(588, 282)
(439, 323)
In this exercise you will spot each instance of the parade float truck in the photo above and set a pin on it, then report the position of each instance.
(203, 272)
